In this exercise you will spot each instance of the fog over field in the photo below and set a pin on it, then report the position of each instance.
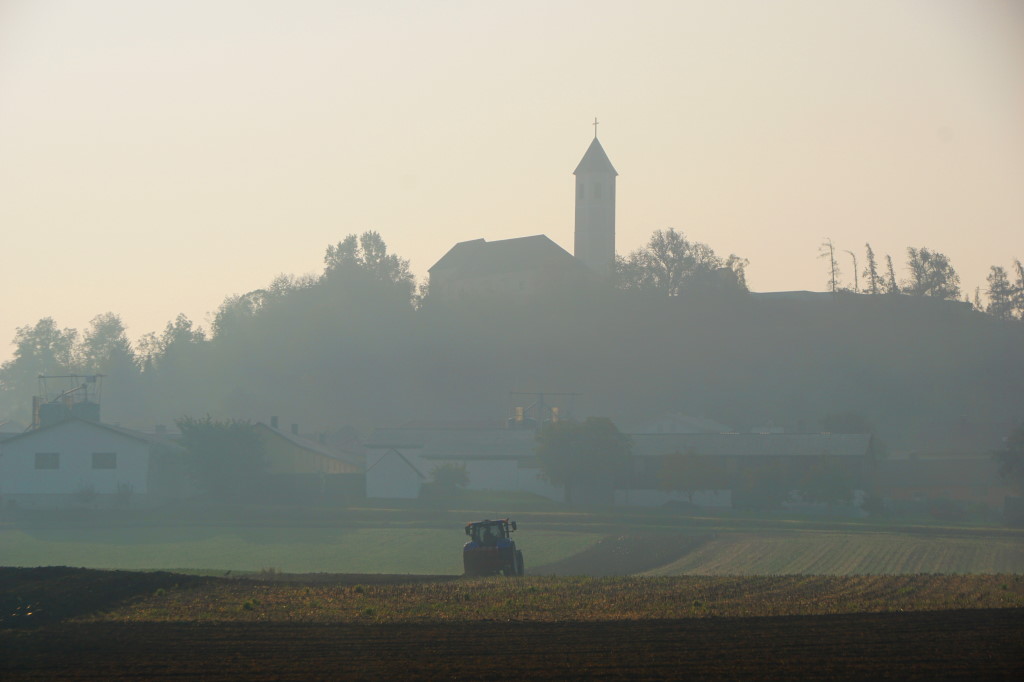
(308, 288)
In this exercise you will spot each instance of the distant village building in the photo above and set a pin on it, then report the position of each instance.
(940, 485)
(495, 457)
(498, 457)
(525, 266)
(302, 469)
(735, 453)
(287, 452)
(82, 463)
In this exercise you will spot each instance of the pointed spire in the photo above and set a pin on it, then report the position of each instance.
(595, 160)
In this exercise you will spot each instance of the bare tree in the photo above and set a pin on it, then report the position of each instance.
(828, 250)
(856, 280)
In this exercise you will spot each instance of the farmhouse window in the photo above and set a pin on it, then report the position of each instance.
(104, 460)
(47, 460)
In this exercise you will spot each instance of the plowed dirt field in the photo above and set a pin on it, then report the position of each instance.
(984, 644)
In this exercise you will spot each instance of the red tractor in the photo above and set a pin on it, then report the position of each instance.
(490, 550)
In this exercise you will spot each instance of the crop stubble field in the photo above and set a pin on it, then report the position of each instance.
(77, 623)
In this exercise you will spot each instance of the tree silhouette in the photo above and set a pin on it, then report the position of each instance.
(871, 272)
(931, 274)
(671, 263)
(368, 255)
(1000, 294)
(891, 287)
(224, 458)
(580, 455)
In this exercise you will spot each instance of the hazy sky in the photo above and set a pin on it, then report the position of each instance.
(158, 156)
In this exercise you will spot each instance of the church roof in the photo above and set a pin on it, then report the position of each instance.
(595, 161)
(479, 256)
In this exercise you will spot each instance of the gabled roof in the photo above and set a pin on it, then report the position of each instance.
(752, 444)
(148, 438)
(303, 443)
(469, 442)
(595, 161)
(480, 257)
(402, 457)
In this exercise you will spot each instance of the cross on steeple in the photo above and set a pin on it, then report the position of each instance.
(595, 127)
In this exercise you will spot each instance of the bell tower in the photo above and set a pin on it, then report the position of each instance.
(594, 243)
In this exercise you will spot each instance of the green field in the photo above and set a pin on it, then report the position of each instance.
(813, 552)
(399, 542)
(292, 550)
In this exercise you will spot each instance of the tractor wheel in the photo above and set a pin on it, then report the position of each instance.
(520, 565)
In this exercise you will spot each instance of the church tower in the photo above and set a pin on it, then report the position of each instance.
(595, 209)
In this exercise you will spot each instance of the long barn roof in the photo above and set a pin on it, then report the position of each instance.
(753, 444)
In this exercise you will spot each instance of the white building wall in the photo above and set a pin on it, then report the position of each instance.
(389, 476)
(74, 442)
(504, 475)
(498, 474)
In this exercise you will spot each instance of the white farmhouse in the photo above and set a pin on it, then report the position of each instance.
(78, 463)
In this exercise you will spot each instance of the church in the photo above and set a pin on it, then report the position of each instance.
(524, 266)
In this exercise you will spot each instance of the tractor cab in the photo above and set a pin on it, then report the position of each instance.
(488, 533)
(490, 550)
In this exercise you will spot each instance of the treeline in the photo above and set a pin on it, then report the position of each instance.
(360, 345)
(930, 273)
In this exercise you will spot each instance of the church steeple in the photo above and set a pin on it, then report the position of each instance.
(595, 209)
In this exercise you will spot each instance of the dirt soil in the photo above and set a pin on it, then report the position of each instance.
(925, 645)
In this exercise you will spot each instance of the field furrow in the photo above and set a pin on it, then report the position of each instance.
(837, 553)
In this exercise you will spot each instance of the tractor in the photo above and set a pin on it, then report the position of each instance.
(490, 550)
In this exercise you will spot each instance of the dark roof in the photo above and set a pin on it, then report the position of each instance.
(473, 442)
(752, 444)
(480, 257)
(306, 444)
(595, 161)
